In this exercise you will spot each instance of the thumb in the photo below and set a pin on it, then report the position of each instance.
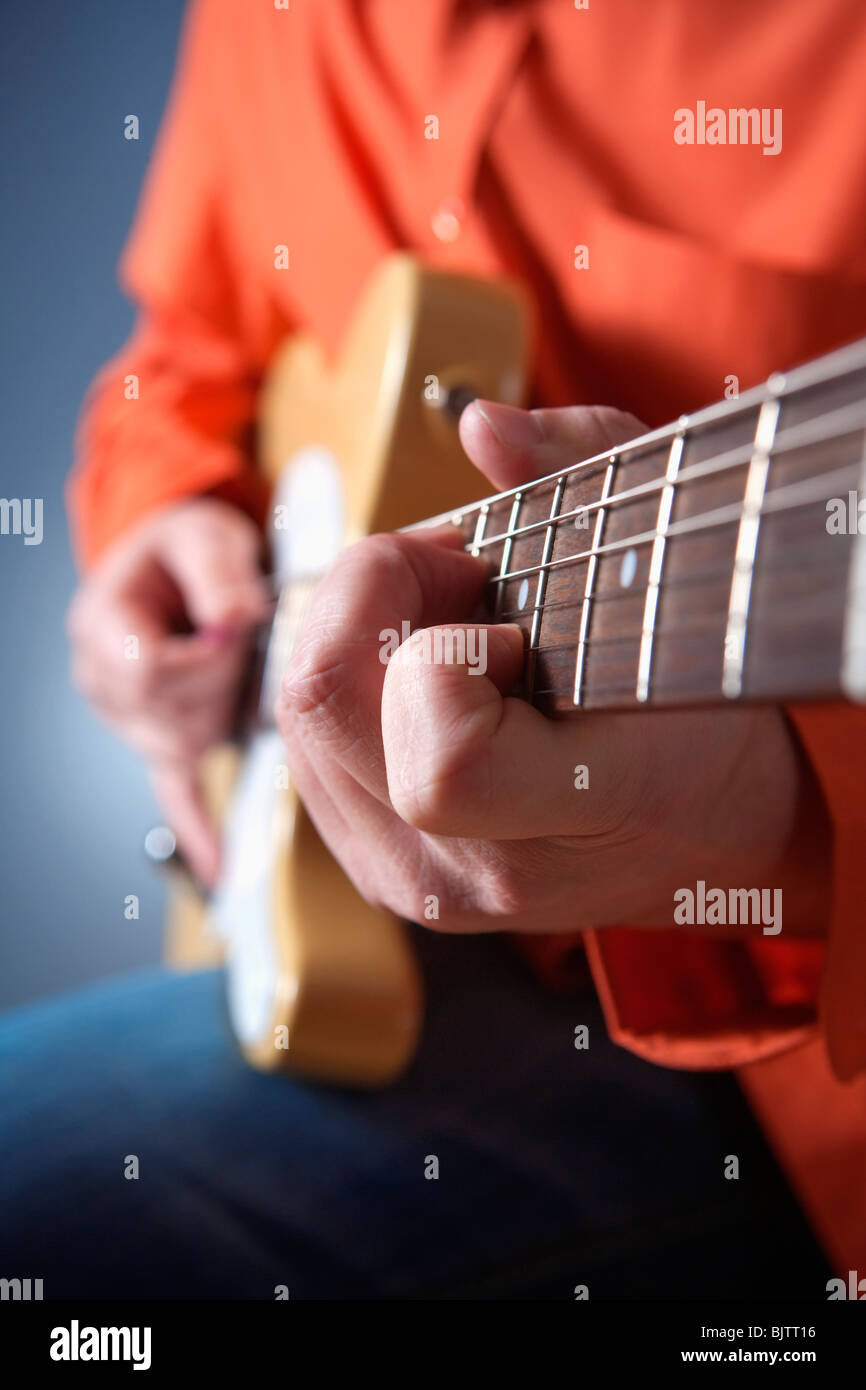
(213, 557)
(512, 446)
(465, 759)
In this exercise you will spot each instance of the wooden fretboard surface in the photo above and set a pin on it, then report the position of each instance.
(694, 564)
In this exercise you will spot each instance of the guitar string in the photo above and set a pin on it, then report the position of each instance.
(684, 581)
(779, 502)
(775, 502)
(691, 631)
(804, 491)
(845, 420)
(634, 593)
(669, 686)
(284, 637)
(848, 420)
(721, 462)
(834, 368)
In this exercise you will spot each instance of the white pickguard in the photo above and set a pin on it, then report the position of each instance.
(308, 523)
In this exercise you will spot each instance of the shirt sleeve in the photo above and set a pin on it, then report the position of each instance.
(172, 414)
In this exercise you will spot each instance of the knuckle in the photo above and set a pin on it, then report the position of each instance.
(312, 690)
(388, 557)
(486, 886)
(443, 902)
(382, 548)
(427, 807)
(438, 800)
(504, 890)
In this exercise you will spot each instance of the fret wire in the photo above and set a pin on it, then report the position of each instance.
(288, 592)
(634, 637)
(832, 367)
(831, 424)
(506, 552)
(848, 419)
(662, 633)
(666, 502)
(627, 688)
(684, 581)
(746, 551)
(480, 526)
(721, 516)
(803, 491)
(455, 518)
(675, 632)
(669, 686)
(692, 636)
(580, 654)
(542, 584)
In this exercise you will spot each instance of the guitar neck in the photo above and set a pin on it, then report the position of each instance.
(718, 558)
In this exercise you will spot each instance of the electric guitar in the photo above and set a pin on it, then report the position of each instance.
(719, 558)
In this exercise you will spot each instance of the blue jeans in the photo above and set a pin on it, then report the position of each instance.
(557, 1167)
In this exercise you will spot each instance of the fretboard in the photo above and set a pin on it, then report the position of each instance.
(716, 559)
(706, 561)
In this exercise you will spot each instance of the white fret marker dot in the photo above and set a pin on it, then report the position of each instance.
(523, 593)
(628, 568)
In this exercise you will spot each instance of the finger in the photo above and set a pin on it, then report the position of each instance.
(152, 689)
(215, 564)
(118, 636)
(465, 759)
(379, 589)
(146, 667)
(176, 787)
(182, 736)
(512, 446)
(390, 864)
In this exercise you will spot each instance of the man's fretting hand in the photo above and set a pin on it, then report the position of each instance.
(431, 783)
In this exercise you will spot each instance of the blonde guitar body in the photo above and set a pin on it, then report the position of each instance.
(319, 982)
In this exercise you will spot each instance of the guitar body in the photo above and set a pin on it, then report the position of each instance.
(319, 982)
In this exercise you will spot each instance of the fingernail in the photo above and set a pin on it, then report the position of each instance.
(516, 429)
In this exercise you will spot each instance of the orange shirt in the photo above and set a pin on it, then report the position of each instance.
(309, 127)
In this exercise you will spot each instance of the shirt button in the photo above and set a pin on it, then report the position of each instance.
(447, 219)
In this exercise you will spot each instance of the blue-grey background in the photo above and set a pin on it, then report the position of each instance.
(74, 804)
